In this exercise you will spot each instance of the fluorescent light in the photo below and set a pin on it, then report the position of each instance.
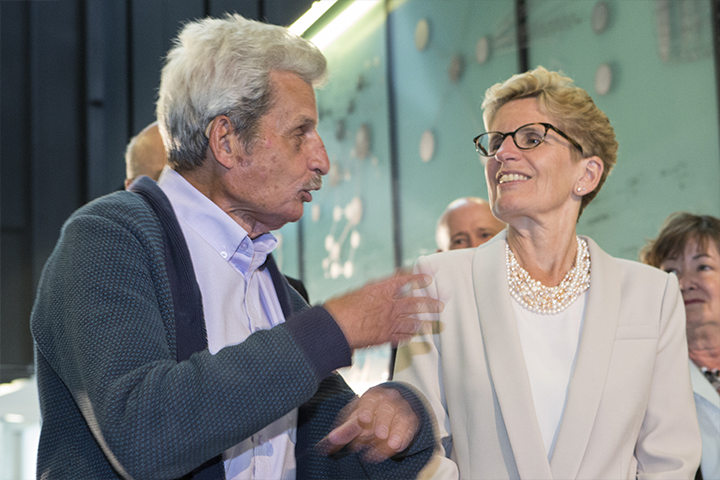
(14, 418)
(311, 16)
(342, 22)
(12, 387)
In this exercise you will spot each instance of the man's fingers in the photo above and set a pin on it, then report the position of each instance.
(340, 436)
(404, 283)
(417, 305)
(402, 431)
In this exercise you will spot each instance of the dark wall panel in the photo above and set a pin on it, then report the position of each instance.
(107, 95)
(154, 25)
(15, 269)
(58, 120)
(285, 13)
(246, 8)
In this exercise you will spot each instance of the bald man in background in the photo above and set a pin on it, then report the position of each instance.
(466, 223)
(145, 155)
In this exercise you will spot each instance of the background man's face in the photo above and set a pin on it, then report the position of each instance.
(472, 224)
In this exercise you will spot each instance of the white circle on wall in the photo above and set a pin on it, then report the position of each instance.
(422, 34)
(355, 239)
(603, 79)
(315, 212)
(353, 211)
(427, 146)
(455, 70)
(362, 141)
(482, 50)
(335, 270)
(600, 17)
(348, 269)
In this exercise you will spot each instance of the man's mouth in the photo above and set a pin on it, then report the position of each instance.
(511, 177)
(314, 183)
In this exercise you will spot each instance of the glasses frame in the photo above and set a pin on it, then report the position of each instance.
(547, 126)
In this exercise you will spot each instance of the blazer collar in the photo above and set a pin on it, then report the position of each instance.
(509, 373)
(592, 365)
(505, 359)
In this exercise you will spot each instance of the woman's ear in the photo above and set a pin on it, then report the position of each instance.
(591, 176)
(222, 142)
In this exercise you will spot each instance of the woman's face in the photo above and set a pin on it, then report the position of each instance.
(698, 271)
(531, 183)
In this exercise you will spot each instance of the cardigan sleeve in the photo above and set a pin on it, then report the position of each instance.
(318, 416)
(102, 322)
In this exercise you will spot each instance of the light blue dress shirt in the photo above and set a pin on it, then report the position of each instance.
(707, 402)
(238, 299)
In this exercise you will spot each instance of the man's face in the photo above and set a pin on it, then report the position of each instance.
(471, 225)
(286, 161)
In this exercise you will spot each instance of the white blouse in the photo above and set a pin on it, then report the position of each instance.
(550, 344)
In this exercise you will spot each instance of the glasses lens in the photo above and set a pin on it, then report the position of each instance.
(530, 136)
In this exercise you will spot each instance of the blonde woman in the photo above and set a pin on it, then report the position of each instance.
(552, 359)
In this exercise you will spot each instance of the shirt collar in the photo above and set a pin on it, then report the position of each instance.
(702, 387)
(216, 227)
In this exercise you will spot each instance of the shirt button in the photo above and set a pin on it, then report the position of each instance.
(223, 254)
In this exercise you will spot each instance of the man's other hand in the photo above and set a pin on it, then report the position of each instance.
(378, 425)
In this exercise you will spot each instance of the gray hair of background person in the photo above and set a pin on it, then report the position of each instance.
(222, 67)
(570, 106)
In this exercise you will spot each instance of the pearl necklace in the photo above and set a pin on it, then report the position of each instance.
(538, 298)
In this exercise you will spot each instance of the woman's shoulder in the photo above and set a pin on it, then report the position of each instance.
(629, 270)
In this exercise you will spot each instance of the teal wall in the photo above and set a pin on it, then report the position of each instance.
(662, 103)
(427, 99)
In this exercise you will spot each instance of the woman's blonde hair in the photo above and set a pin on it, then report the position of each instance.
(570, 107)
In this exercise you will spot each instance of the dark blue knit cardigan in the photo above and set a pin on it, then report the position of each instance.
(125, 392)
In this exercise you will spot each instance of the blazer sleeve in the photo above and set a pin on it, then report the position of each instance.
(102, 325)
(419, 363)
(668, 446)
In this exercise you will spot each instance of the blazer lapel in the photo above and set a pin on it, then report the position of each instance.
(593, 361)
(505, 360)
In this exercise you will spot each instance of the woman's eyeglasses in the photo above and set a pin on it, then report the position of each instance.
(526, 137)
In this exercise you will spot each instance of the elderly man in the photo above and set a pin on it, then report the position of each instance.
(466, 223)
(145, 154)
(167, 342)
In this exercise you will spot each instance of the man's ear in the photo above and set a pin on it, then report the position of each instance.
(222, 141)
(592, 174)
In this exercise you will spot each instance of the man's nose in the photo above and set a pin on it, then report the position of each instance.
(319, 161)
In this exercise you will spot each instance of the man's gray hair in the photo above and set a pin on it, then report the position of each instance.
(222, 66)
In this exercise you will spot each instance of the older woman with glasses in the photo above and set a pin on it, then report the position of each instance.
(689, 246)
(552, 359)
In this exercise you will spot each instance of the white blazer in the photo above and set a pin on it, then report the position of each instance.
(629, 410)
